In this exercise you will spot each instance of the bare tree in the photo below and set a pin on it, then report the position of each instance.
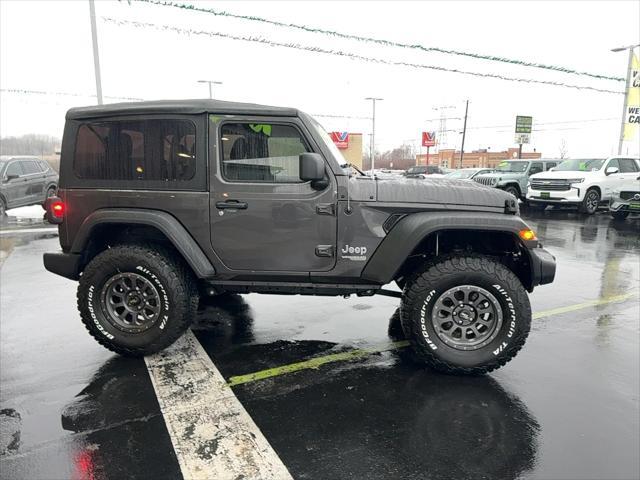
(563, 149)
(30, 144)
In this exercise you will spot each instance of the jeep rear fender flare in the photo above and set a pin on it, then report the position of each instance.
(407, 234)
(164, 222)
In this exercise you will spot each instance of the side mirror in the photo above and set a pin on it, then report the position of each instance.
(611, 170)
(8, 178)
(552, 169)
(311, 167)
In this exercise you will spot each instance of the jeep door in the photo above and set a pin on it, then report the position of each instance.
(263, 217)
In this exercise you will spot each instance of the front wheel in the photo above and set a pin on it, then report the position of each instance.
(465, 315)
(513, 191)
(591, 202)
(136, 300)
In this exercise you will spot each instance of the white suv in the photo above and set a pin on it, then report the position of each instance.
(584, 183)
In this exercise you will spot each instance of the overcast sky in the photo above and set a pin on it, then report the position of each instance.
(46, 46)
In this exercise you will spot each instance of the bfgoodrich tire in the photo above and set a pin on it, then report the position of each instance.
(465, 315)
(136, 300)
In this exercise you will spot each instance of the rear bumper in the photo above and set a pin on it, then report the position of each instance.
(543, 266)
(64, 264)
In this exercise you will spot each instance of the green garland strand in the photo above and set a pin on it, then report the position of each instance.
(340, 53)
(380, 41)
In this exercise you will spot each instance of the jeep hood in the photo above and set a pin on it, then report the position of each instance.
(441, 191)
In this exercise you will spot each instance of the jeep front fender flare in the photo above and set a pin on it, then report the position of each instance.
(407, 234)
(164, 222)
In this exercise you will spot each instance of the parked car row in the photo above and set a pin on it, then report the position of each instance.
(585, 183)
(24, 181)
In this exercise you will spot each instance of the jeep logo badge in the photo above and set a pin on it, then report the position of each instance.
(354, 253)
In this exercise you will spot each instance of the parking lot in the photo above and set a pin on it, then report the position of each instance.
(328, 381)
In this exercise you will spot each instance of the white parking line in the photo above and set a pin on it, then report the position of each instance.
(14, 231)
(212, 434)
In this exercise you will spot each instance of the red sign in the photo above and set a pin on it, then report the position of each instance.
(428, 139)
(341, 139)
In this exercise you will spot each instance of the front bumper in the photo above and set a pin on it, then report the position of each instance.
(624, 206)
(572, 196)
(543, 266)
(64, 264)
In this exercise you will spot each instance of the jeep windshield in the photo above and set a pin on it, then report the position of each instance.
(580, 165)
(515, 167)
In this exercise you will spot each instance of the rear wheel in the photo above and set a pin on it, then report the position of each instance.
(136, 300)
(3, 208)
(591, 202)
(51, 192)
(465, 315)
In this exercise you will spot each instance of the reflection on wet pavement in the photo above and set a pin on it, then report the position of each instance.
(566, 407)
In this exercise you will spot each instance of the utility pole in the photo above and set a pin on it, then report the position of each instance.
(96, 57)
(464, 131)
(211, 83)
(373, 131)
(626, 92)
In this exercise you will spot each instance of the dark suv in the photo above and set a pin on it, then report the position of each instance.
(162, 202)
(25, 181)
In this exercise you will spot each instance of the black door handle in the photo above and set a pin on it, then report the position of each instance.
(235, 204)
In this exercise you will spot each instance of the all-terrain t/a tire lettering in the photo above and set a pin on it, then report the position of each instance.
(465, 315)
(136, 300)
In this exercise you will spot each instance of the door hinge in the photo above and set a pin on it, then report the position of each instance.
(324, 251)
(326, 209)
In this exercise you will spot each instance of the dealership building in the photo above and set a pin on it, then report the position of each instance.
(450, 158)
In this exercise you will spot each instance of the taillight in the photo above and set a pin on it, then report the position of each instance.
(55, 210)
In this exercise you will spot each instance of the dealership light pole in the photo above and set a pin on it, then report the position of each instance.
(211, 83)
(373, 131)
(626, 92)
(96, 58)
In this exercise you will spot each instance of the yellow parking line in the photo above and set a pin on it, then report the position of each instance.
(317, 362)
(580, 306)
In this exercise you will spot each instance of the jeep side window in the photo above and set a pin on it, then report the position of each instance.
(261, 152)
(535, 168)
(136, 150)
(627, 165)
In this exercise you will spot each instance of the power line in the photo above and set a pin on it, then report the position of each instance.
(75, 94)
(380, 41)
(339, 116)
(343, 54)
(21, 91)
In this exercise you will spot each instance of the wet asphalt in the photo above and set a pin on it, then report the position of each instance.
(567, 407)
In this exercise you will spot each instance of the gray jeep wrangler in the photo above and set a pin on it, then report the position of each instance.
(513, 175)
(162, 202)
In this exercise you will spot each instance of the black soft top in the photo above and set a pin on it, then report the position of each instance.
(187, 107)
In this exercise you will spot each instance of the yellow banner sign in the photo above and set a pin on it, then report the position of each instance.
(632, 112)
